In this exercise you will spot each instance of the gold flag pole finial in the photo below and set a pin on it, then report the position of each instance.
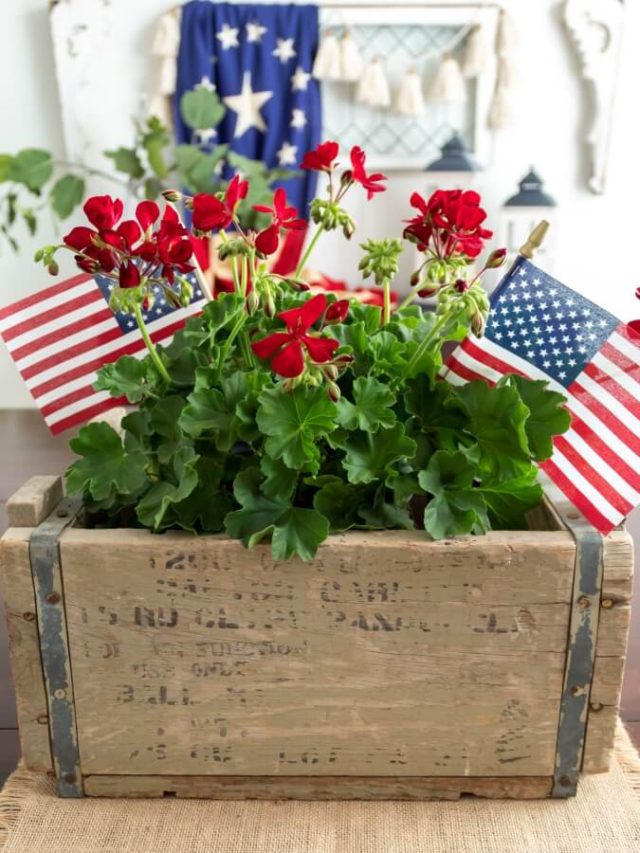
(535, 240)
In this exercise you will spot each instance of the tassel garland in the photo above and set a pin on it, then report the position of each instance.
(327, 62)
(448, 86)
(373, 88)
(474, 62)
(501, 111)
(409, 101)
(351, 62)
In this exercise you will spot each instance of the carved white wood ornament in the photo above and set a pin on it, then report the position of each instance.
(595, 27)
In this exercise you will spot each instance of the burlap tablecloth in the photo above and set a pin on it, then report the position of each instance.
(603, 818)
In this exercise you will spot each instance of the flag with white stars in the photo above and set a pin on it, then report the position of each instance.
(61, 336)
(542, 329)
(258, 58)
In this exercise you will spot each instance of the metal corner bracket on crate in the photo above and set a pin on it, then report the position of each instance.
(581, 646)
(52, 628)
(578, 672)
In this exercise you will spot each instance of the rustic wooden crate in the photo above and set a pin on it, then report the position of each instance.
(390, 667)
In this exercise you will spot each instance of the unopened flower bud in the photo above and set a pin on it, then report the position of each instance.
(461, 286)
(330, 371)
(343, 360)
(346, 178)
(348, 228)
(415, 278)
(337, 311)
(173, 195)
(429, 290)
(147, 303)
(269, 306)
(53, 268)
(638, 293)
(253, 302)
(496, 259)
(477, 324)
(333, 391)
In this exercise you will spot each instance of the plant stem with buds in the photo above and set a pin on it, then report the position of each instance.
(305, 257)
(153, 352)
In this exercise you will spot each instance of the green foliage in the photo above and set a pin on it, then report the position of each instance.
(66, 194)
(226, 446)
(201, 108)
(144, 167)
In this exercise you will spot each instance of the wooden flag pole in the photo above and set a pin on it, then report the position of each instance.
(535, 240)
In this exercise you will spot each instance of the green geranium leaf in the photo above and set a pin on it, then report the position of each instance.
(429, 402)
(369, 456)
(206, 507)
(154, 509)
(298, 531)
(548, 414)
(456, 508)
(293, 530)
(201, 108)
(105, 470)
(339, 502)
(137, 431)
(497, 418)
(66, 194)
(212, 411)
(293, 422)
(510, 500)
(128, 377)
(126, 160)
(388, 353)
(32, 167)
(384, 515)
(279, 481)
(372, 408)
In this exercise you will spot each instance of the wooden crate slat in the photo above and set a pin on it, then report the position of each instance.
(33, 502)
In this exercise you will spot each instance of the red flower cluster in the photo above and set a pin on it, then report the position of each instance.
(112, 244)
(214, 214)
(451, 220)
(282, 217)
(286, 350)
(322, 159)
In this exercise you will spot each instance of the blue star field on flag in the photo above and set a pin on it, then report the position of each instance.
(258, 58)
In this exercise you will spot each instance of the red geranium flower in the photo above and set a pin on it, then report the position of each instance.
(321, 159)
(452, 219)
(282, 216)
(286, 349)
(169, 247)
(371, 183)
(337, 311)
(103, 211)
(129, 275)
(214, 214)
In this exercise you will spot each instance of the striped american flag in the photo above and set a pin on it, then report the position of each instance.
(542, 329)
(60, 337)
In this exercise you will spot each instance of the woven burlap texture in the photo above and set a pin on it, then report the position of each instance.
(603, 818)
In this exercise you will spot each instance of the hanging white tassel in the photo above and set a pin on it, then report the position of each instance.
(474, 62)
(351, 62)
(501, 111)
(380, 92)
(448, 86)
(409, 100)
(327, 61)
(165, 44)
(373, 88)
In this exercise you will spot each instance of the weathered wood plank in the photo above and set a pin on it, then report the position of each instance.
(24, 648)
(613, 629)
(319, 787)
(388, 655)
(33, 502)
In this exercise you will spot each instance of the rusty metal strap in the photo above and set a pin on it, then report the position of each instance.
(581, 647)
(54, 645)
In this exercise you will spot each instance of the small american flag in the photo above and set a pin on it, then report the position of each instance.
(543, 330)
(60, 337)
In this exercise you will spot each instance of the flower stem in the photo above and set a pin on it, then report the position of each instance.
(153, 352)
(308, 250)
(426, 342)
(386, 308)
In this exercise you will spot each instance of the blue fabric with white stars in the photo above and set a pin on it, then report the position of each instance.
(547, 324)
(159, 309)
(222, 45)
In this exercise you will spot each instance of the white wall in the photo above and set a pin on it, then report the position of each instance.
(597, 236)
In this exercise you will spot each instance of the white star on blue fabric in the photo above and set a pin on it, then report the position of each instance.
(228, 37)
(298, 119)
(284, 50)
(247, 105)
(205, 83)
(255, 31)
(287, 154)
(300, 79)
